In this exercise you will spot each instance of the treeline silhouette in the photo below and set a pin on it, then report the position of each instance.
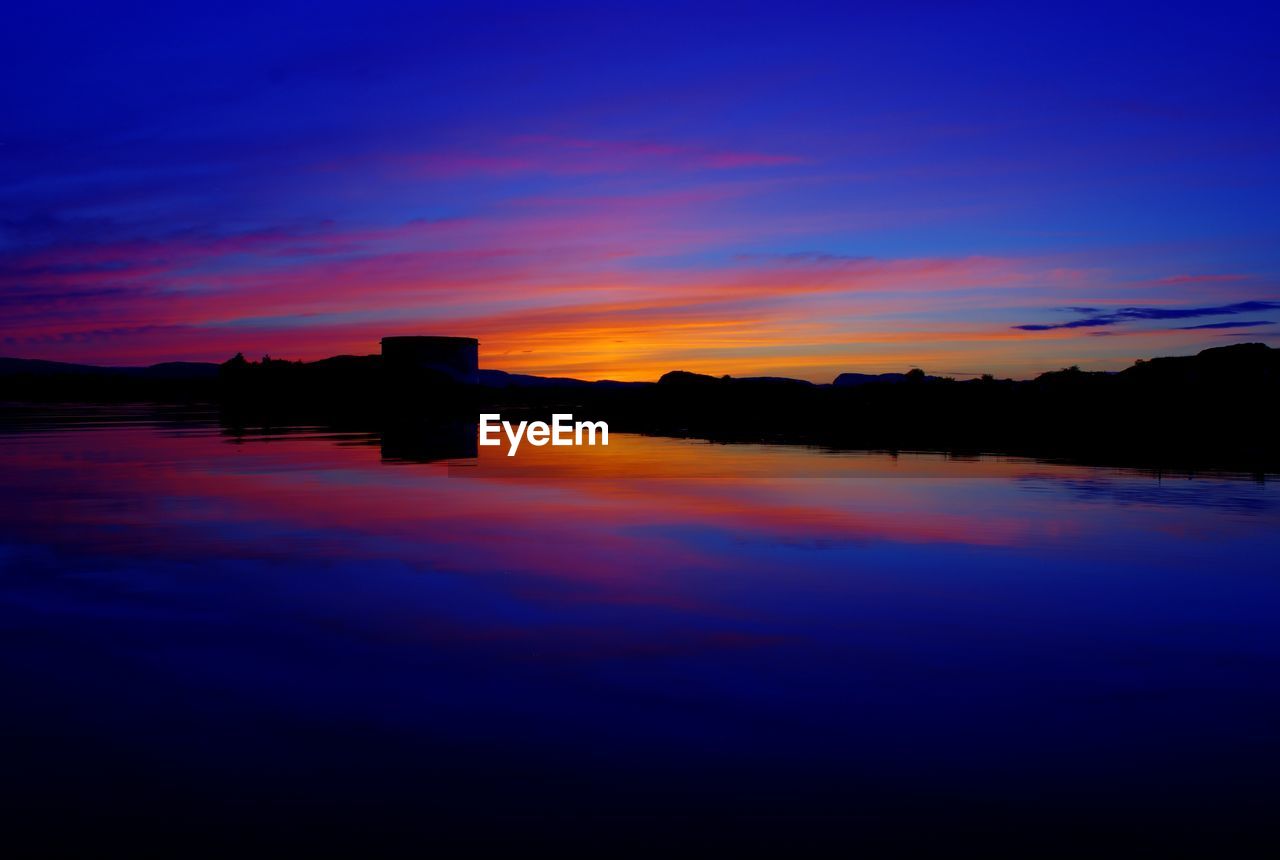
(1211, 409)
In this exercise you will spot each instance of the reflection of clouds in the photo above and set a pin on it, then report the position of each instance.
(301, 571)
(1235, 495)
(648, 522)
(475, 552)
(284, 598)
(639, 504)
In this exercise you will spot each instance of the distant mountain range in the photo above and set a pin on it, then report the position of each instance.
(164, 370)
(1250, 358)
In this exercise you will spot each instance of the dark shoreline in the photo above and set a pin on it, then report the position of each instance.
(1208, 411)
(439, 437)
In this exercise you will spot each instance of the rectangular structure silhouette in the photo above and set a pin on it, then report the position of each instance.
(445, 359)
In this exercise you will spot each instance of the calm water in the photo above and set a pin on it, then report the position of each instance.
(308, 629)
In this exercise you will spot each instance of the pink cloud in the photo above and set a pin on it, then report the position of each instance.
(1201, 279)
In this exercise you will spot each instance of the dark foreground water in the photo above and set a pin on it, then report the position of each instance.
(304, 637)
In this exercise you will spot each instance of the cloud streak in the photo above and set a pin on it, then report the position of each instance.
(1096, 318)
(1218, 325)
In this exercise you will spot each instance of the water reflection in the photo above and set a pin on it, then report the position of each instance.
(661, 628)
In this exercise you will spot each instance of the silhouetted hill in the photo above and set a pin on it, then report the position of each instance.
(684, 377)
(33, 379)
(915, 375)
(165, 370)
(1242, 363)
(173, 370)
(502, 379)
(36, 367)
(347, 363)
(1071, 376)
(849, 380)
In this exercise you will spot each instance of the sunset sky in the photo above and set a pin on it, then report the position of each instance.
(611, 190)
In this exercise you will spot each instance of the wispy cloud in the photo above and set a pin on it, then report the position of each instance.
(1241, 324)
(1096, 318)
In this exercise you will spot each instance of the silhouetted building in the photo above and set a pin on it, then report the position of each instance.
(452, 359)
(410, 440)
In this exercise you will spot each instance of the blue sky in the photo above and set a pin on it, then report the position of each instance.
(616, 190)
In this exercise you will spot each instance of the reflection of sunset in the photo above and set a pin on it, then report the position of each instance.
(628, 518)
(287, 596)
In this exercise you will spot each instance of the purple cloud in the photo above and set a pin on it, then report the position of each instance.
(1139, 313)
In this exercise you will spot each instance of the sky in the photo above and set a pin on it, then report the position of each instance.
(615, 190)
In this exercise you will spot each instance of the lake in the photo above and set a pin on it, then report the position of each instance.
(317, 633)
